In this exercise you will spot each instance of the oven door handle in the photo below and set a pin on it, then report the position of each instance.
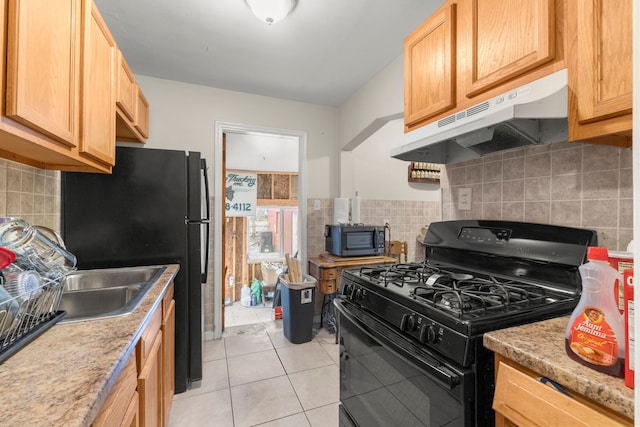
(398, 345)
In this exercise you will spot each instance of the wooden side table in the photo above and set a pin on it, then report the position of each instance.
(327, 269)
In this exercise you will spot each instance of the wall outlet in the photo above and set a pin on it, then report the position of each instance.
(316, 205)
(464, 199)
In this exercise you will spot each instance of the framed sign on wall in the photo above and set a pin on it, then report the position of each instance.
(240, 194)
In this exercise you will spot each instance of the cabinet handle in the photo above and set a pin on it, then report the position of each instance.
(550, 382)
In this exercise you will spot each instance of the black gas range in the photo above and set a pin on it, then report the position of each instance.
(429, 318)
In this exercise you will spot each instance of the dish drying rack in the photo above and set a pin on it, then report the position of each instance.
(29, 311)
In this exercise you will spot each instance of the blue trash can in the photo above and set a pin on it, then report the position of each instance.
(298, 301)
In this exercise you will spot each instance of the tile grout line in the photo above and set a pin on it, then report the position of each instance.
(226, 363)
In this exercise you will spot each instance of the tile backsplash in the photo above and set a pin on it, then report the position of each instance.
(568, 184)
(30, 193)
(406, 218)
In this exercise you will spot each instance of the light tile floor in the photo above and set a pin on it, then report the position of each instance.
(236, 314)
(255, 376)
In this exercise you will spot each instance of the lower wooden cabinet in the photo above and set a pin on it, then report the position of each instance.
(143, 393)
(520, 399)
(155, 361)
(131, 417)
(121, 406)
(150, 385)
(168, 353)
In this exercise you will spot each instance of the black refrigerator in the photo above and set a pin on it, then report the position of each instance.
(153, 209)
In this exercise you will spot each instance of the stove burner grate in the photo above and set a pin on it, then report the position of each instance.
(456, 292)
(479, 296)
(397, 274)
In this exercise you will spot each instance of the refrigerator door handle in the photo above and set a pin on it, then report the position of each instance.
(203, 166)
(205, 273)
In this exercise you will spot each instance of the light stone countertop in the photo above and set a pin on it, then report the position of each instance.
(540, 347)
(63, 376)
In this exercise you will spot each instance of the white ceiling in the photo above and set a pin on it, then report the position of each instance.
(322, 53)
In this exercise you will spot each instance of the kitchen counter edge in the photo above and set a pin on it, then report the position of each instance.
(540, 347)
(64, 376)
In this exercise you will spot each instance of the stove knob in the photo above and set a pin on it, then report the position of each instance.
(359, 294)
(352, 292)
(423, 333)
(431, 334)
(408, 323)
(427, 334)
(346, 290)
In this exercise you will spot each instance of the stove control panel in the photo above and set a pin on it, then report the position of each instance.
(417, 326)
(484, 235)
(425, 330)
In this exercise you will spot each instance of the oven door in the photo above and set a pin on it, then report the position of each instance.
(388, 380)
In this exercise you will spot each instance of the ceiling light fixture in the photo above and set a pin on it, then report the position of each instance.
(271, 11)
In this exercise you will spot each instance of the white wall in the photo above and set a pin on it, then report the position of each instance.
(372, 105)
(182, 116)
(262, 152)
(375, 175)
(371, 122)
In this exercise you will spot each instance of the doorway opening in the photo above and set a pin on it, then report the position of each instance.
(251, 245)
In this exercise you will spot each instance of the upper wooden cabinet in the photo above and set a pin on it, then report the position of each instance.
(127, 89)
(600, 70)
(429, 66)
(504, 41)
(472, 50)
(98, 139)
(132, 108)
(494, 47)
(58, 72)
(142, 116)
(58, 56)
(43, 66)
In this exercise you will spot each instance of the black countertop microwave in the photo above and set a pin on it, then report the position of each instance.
(354, 240)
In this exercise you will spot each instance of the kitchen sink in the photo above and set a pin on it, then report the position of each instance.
(102, 293)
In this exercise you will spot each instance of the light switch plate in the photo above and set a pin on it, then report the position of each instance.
(464, 199)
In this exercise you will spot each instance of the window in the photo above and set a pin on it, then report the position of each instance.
(272, 233)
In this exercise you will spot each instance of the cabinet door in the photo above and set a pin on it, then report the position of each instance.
(98, 138)
(127, 89)
(168, 351)
(121, 406)
(522, 400)
(142, 115)
(150, 386)
(506, 41)
(43, 66)
(604, 59)
(131, 416)
(429, 67)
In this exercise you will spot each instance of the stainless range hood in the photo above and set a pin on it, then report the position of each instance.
(529, 115)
